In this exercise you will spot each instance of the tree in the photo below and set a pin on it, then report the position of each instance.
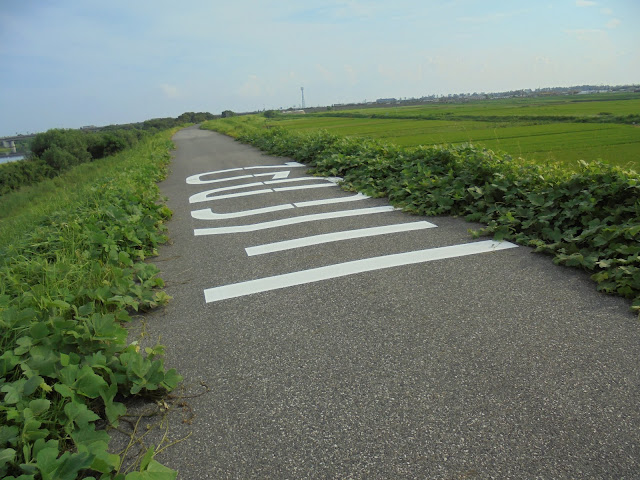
(73, 142)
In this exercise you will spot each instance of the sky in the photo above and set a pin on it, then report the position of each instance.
(73, 63)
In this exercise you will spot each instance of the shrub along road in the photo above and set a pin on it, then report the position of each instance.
(340, 338)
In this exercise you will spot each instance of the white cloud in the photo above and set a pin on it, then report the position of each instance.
(352, 76)
(170, 91)
(326, 74)
(585, 3)
(251, 88)
(587, 34)
(606, 11)
(491, 17)
(613, 23)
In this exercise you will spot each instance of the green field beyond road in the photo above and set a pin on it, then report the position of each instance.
(555, 129)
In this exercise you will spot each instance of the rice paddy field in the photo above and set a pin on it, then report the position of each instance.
(553, 129)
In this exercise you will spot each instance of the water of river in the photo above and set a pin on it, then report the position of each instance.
(11, 158)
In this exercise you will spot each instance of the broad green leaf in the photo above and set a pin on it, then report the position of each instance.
(63, 390)
(8, 435)
(154, 471)
(39, 406)
(13, 392)
(79, 413)
(70, 464)
(89, 383)
(171, 379)
(7, 455)
(46, 462)
(104, 462)
(25, 344)
(39, 330)
(32, 384)
(90, 437)
(148, 456)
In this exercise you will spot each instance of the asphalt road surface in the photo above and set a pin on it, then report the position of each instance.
(340, 338)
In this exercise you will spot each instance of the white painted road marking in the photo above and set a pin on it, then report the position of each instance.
(197, 179)
(209, 214)
(292, 221)
(207, 195)
(304, 187)
(350, 268)
(328, 201)
(336, 237)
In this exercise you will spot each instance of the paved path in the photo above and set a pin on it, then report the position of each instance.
(343, 339)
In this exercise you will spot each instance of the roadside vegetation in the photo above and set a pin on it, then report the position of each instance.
(588, 218)
(73, 271)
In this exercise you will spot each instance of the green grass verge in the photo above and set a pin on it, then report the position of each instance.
(72, 270)
(588, 219)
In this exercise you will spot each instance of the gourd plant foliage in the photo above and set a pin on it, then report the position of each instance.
(589, 219)
(65, 364)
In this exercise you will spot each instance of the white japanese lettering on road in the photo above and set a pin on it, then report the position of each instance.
(209, 214)
(208, 195)
(350, 268)
(197, 179)
(291, 221)
(336, 237)
(315, 274)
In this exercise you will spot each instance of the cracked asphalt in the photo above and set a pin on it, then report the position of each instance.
(493, 365)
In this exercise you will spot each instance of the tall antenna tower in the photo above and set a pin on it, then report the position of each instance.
(302, 90)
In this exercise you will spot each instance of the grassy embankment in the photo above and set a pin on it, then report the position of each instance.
(72, 271)
(589, 218)
(556, 129)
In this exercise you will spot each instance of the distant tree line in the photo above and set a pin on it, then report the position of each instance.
(57, 150)
(158, 124)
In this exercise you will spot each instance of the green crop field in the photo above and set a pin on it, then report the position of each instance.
(555, 129)
(575, 106)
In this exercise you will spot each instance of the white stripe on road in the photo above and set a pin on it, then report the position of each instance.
(291, 221)
(328, 201)
(336, 237)
(207, 194)
(197, 180)
(209, 214)
(285, 165)
(304, 187)
(350, 268)
(234, 195)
